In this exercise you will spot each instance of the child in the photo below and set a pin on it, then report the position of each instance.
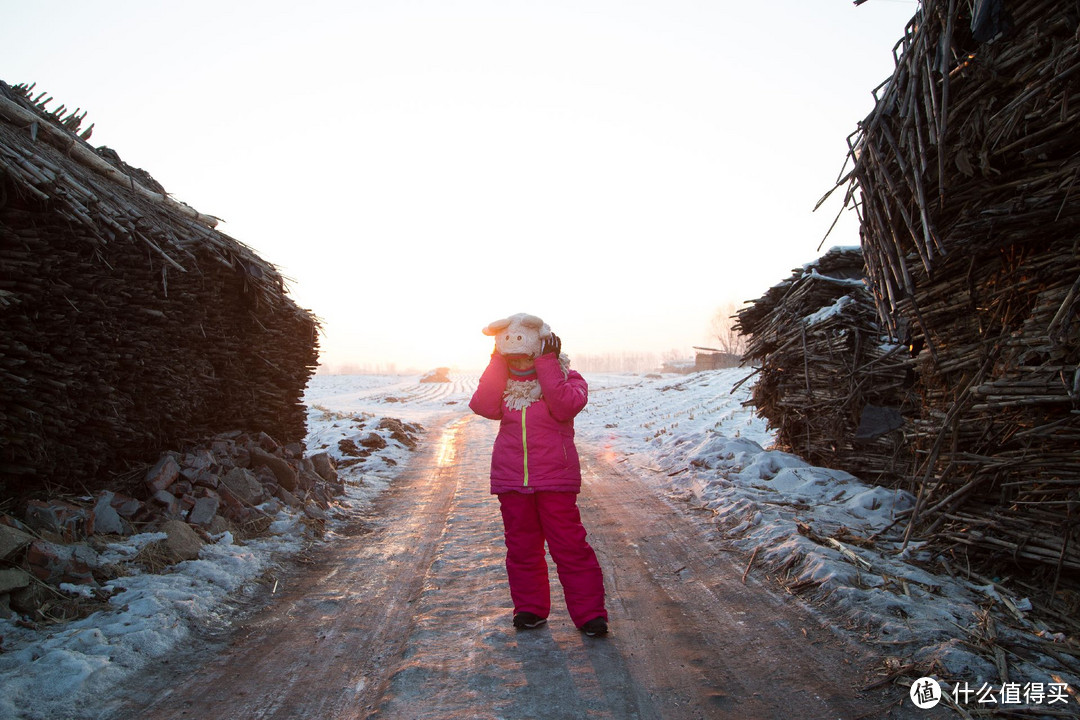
(530, 389)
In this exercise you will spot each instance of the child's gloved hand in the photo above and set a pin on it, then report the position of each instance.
(551, 344)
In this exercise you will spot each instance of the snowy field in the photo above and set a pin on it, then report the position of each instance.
(822, 534)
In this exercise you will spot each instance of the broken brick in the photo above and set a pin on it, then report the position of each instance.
(163, 474)
(69, 521)
(56, 564)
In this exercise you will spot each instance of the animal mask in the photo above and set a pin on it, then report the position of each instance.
(519, 334)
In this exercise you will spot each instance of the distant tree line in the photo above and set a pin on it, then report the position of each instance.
(354, 368)
(625, 361)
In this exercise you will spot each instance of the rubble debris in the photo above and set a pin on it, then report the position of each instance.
(233, 482)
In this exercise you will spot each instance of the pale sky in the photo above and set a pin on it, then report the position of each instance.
(421, 168)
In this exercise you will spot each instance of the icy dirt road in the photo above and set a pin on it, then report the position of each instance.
(411, 619)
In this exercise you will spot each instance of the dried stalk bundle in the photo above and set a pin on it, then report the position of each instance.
(128, 324)
(818, 344)
(965, 177)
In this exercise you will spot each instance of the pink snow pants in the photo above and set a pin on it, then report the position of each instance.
(528, 521)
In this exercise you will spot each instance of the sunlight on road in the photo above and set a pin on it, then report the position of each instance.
(447, 443)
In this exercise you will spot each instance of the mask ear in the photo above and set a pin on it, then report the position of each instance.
(531, 321)
(496, 327)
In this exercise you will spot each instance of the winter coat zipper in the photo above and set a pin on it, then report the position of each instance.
(524, 450)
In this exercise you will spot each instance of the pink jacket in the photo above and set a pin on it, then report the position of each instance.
(534, 449)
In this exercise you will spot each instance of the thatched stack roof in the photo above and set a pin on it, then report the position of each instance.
(967, 181)
(828, 385)
(128, 323)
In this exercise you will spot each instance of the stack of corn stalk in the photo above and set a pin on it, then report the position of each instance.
(966, 178)
(128, 324)
(823, 367)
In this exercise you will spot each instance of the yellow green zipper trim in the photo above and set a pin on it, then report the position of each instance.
(524, 447)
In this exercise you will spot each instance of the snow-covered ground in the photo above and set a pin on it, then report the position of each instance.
(821, 533)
